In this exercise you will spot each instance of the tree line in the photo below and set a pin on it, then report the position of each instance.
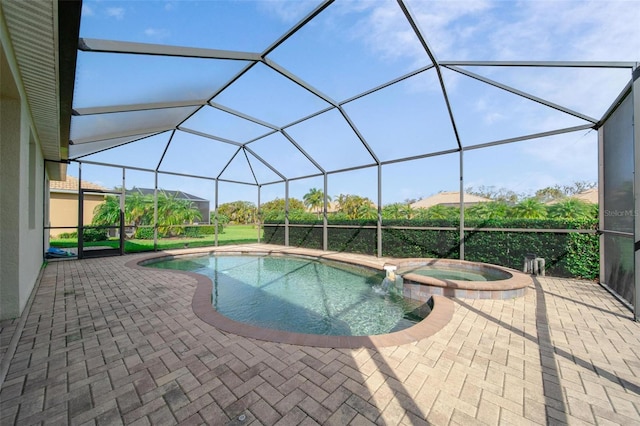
(551, 202)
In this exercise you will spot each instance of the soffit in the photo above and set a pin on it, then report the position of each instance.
(33, 30)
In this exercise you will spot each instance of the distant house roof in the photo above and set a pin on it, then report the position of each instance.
(588, 196)
(449, 198)
(71, 185)
(332, 207)
(177, 194)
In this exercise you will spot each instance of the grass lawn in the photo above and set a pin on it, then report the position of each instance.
(236, 234)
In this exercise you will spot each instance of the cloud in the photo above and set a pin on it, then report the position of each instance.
(389, 33)
(493, 117)
(87, 10)
(569, 30)
(285, 10)
(499, 30)
(552, 154)
(156, 33)
(115, 12)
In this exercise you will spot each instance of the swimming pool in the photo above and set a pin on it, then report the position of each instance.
(301, 295)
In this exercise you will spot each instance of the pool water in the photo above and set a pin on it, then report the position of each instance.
(302, 295)
(458, 274)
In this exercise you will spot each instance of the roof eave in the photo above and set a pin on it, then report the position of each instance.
(68, 34)
(44, 38)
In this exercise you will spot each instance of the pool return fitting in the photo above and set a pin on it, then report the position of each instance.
(534, 265)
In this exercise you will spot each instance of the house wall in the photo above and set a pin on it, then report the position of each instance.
(22, 179)
(63, 210)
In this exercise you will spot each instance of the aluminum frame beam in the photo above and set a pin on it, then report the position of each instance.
(209, 136)
(297, 80)
(164, 152)
(310, 116)
(425, 45)
(301, 23)
(635, 92)
(266, 163)
(302, 151)
(623, 94)
(522, 94)
(383, 163)
(246, 157)
(242, 115)
(531, 136)
(359, 135)
(545, 64)
(276, 67)
(122, 134)
(136, 107)
(387, 84)
(229, 162)
(256, 139)
(112, 46)
(88, 144)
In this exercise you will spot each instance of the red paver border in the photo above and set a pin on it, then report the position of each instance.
(441, 314)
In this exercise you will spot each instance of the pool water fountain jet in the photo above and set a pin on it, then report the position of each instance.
(392, 283)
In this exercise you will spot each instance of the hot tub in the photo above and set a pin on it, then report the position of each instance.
(422, 278)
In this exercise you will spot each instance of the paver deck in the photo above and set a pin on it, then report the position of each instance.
(107, 344)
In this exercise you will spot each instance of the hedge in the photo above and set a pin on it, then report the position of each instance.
(192, 231)
(566, 254)
(90, 235)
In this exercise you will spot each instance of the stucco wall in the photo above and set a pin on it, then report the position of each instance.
(63, 210)
(21, 196)
(9, 218)
(31, 240)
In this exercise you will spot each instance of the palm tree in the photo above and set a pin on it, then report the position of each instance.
(367, 211)
(174, 211)
(278, 205)
(354, 205)
(571, 208)
(398, 211)
(407, 211)
(107, 213)
(489, 210)
(314, 200)
(138, 209)
(441, 212)
(239, 212)
(392, 211)
(530, 208)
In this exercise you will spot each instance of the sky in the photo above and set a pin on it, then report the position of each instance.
(347, 49)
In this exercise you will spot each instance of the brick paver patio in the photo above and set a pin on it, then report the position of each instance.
(108, 344)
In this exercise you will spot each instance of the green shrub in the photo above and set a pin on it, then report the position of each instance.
(223, 219)
(211, 229)
(144, 233)
(68, 235)
(192, 232)
(195, 231)
(90, 235)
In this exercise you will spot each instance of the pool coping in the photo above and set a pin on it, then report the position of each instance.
(441, 313)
